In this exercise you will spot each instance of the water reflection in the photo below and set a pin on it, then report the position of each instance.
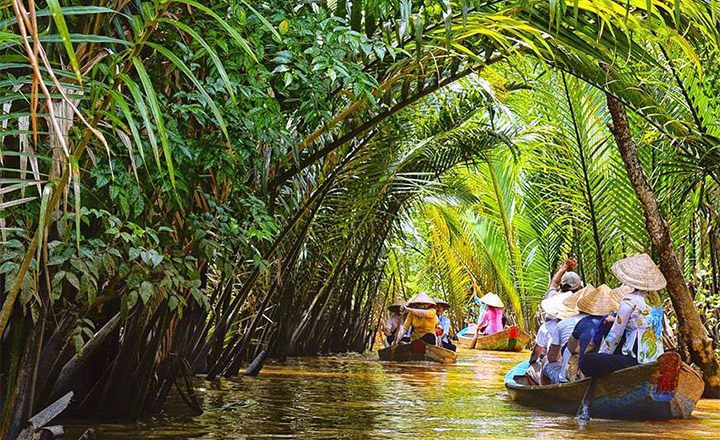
(359, 397)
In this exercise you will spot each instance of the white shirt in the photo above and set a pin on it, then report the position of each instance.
(543, 338)
(561, 335)
(563, 330)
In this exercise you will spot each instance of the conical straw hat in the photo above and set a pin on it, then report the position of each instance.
(571, 301)
(555, 308)
(619, 292)
(639, 272)
(421, 298)
(441, 302)
(396, 305)
(598, 302)
(492, 300)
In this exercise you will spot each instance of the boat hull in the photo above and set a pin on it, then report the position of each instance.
(665, 389)
(417, 351)
(500, 341)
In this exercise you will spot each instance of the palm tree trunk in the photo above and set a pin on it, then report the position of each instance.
(693, 342)
(588, 191)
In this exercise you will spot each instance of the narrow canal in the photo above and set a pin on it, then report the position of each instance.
(357, 397)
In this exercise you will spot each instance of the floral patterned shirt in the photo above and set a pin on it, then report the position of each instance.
(640, 320)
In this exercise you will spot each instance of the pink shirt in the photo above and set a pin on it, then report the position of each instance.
(493, 319)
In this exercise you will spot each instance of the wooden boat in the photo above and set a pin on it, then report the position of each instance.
(417, 351)
(664, 389)
(510, 339)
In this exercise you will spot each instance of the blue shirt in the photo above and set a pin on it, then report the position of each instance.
(444, 324)
(589, 329)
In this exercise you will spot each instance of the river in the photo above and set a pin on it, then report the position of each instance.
(357, 397)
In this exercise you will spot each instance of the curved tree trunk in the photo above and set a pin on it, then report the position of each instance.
(693, 342)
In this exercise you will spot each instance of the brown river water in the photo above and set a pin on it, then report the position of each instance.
(358, 397)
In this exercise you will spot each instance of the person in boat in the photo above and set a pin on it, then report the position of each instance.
(491, 314)
(590, 331)
(443, 328)
(393, 322)
(422, 317)
(639, 320)
(555, 311)
(555, 367)
(565, 281)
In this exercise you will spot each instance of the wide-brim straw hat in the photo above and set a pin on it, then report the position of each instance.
(571, 301)
(572, 279)
(396, 305)
(441, 302)
(555, 308)
(639, 272)
(421, 298)
(492, 300)
(598, 302)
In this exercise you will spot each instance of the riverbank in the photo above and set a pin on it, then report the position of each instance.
(358, 397)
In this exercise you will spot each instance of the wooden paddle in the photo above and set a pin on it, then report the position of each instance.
(474, 341)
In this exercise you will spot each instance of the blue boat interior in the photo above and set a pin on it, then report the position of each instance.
(517, 370)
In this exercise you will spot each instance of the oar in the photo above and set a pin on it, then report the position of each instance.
(583, 413)
(474, 341)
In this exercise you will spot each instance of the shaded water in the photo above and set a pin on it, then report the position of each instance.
(359, 397)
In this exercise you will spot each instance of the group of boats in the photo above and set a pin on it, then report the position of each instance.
(665, 389)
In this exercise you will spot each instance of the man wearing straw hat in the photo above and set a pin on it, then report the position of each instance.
(639, 320)
(555, 311)
(393, 322)
(421, 317)
(443, 328)
(568, 282)
(554, 369)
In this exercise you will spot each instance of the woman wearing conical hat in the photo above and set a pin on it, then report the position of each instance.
(599, 305)
(421, 317)
(491, 314)
(639, 320)
(393, 322)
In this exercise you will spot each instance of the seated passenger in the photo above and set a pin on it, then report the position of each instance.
(568, 282)
(421, 317)
(555, 310)
(599, 306)
(443, 329)
(639, 320)
(393, 322)
(590, 331)
(554, 369)
(490, 321)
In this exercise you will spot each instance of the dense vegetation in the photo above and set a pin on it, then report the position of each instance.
(186, 184)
